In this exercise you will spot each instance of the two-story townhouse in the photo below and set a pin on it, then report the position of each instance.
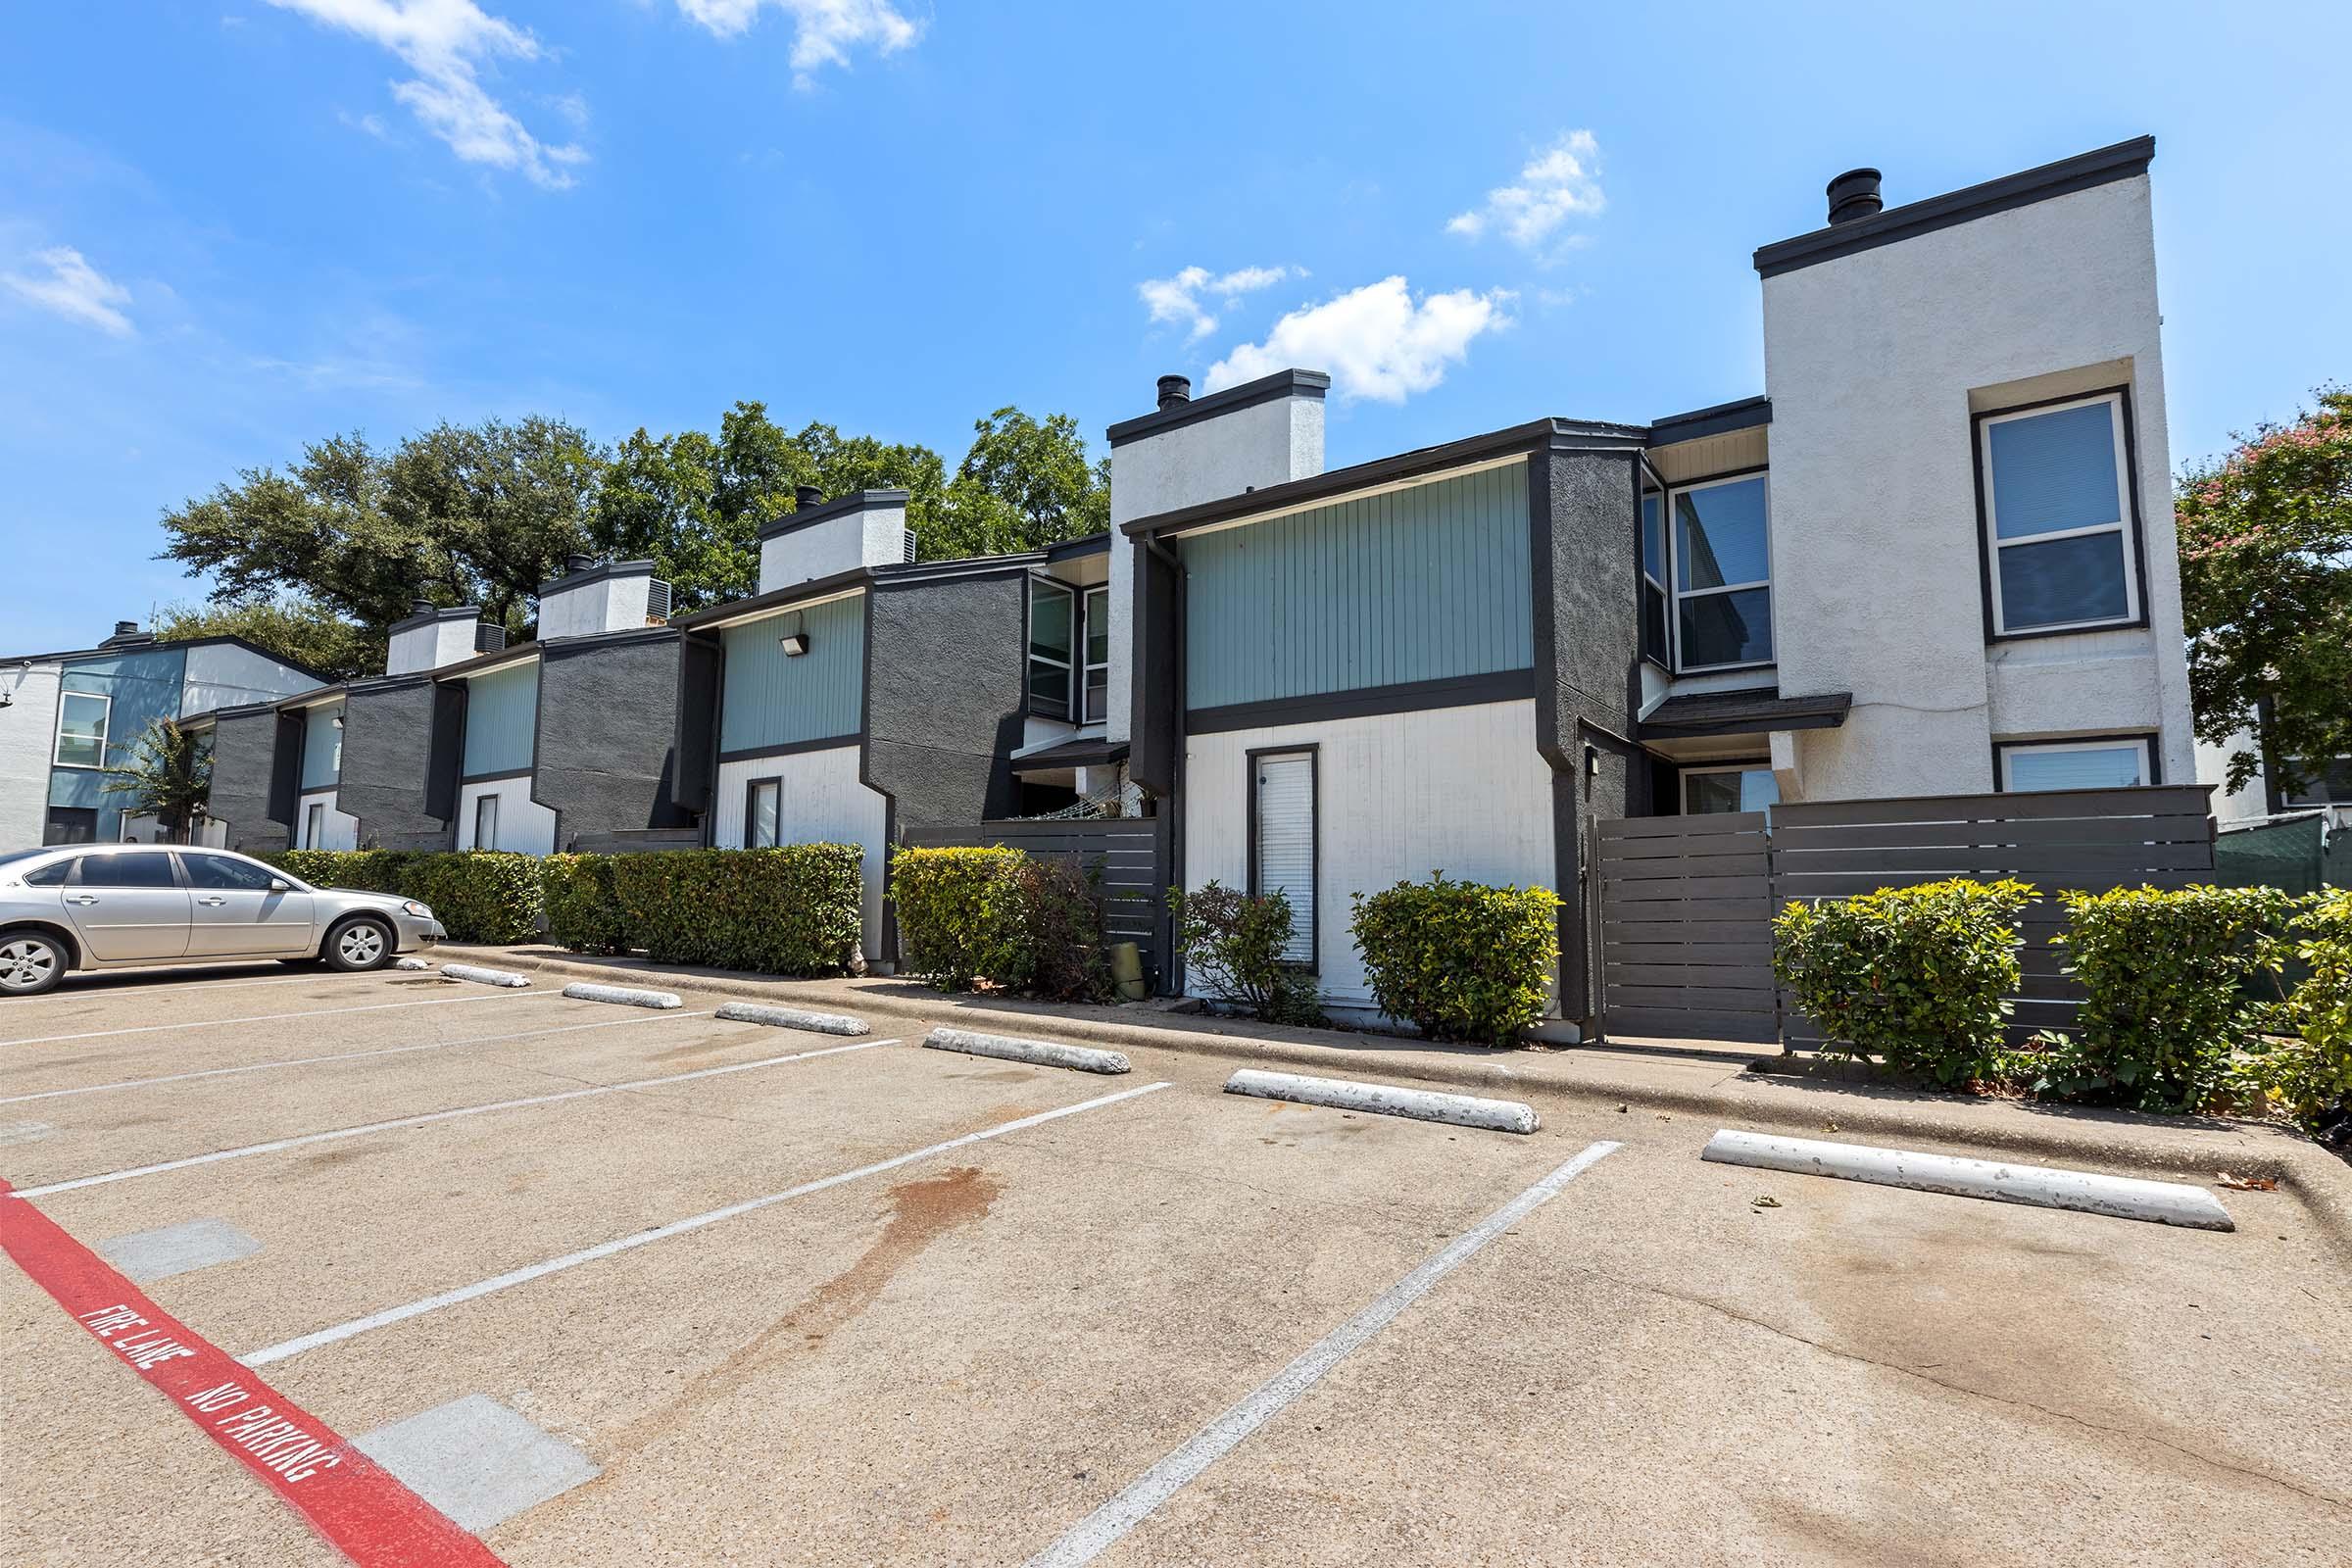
(860, 697)
(65, 717)
(1935, 555)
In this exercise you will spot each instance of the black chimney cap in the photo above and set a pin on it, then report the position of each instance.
(123, 628)
(1854, 194)
(421, 607)
(1175, 389)
(572, 564)
(806, 497)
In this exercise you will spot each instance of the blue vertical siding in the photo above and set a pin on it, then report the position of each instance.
(501, 718)
(145, 686)
(769, 700)
(1418, 584)
(322, 747)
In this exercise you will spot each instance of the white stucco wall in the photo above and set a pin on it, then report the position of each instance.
(822, 802)
(27, 740)
(225, 675)
(431, 645)
(1875, 362)
(1459, 789)
(871, 536)
(2213, 768)
(612, 603)
(338, 830)
(1268, 443)
(523, 824)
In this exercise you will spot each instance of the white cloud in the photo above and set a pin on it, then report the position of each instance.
(365, 125)
(825, 32)
(1377, 341)
(447, 43)
(75, 290)
(1560, 183)
(1179, 299)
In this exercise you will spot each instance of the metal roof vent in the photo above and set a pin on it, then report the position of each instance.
(127, 632)
(489, 637)
(909, 555)
(1854, 195)
(657, 602)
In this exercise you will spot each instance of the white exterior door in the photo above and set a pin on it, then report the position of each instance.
(1282, 852)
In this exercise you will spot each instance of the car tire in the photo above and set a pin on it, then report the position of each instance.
(31, 962)
(360, 944)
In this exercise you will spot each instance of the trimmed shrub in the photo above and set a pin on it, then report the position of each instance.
(1918, 977)
(1232, 946)
(961, 916)
(794, 911)
(2167, 972)
(583, 912)
(2309, 1076)
(484, 896)
(1460, 960)
(1061, 916)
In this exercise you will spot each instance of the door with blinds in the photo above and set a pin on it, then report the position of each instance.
(1283, 855)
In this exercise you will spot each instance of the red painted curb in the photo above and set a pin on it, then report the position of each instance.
(354, 1503)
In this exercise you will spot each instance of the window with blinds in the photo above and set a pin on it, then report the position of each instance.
(1282, 851)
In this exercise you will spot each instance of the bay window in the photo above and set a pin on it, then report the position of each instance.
(1053, 629)
(1722, 543)
(1098, 654)
(2058, 524)
(1653, 578)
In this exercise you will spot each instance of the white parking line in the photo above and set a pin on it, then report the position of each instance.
(274, 1018)
(427, 1119)
(1092, 1536)
(345, 1055)
(604, 1250)
(98, 987)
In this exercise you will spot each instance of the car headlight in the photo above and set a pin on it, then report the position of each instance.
(412, 907)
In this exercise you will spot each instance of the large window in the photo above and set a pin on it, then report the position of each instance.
(1097, 654)
(1053, 632)
(1730, 787)
(2057, 518)
(1722, 543)
(82, 719)
(1653, 578)
(2324, 784)
(2117, 763)
(762, 814)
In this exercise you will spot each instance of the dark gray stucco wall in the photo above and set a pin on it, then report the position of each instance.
(695, 743)
(943, 697)
(254, 758)
(608, 729)
(1585, 511)
(1156, 701)
(400, 761)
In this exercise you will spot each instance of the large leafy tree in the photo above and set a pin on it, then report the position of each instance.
(1023, 485)
(2266, 584)
(459, 514)
(294, 628)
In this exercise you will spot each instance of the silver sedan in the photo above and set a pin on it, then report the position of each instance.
(111, 905)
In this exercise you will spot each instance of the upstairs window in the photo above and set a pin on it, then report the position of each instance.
(82, 719)
(2115, 764)
(1052, 632)
(1722, 543)
(2057, 519)
(1097, 654)
(1653, 578)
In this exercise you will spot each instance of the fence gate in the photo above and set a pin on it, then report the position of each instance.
(1128, 855)
(1686, 927)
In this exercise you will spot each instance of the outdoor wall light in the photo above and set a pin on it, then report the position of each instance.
(338, 721)
(794, 644)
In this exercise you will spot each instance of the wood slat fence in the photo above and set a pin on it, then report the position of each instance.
(1686, 903)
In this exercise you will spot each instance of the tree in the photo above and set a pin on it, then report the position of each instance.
(169, 777)
(1023, 485)
(457, 514)
(300, 630)
(2266, 587)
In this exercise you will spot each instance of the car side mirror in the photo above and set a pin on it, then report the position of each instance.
(278, 884)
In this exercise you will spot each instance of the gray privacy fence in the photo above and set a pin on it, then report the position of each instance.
(1686, 903)
(1127, 856)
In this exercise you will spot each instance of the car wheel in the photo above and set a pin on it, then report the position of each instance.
(360, 944)
(30, 962)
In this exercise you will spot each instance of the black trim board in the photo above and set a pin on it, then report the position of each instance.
(2103, 165)
(822, 743)
(498, 777)
(856, 501)
(1410, 697)
(1747, 414)
(1265, 389)
(599, 572)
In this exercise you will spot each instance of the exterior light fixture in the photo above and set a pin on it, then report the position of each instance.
(338, 721)
(794, 644)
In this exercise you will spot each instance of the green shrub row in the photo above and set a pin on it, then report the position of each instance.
(477, 896)
(1001, 918)
(1233, 946)
(794, 911)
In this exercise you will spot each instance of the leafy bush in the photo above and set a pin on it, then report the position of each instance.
(477, 896)
(1061, 917)
(1460, 960)
(2310, 1074)
(794, 911)
(961, 916)
(583, 912)
(2165, 972)
(1918, 976)
(1232, 946)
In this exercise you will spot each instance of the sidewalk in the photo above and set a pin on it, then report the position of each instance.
(1687, 1078)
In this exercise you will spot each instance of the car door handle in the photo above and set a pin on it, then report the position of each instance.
(212, 903)
(84, 898)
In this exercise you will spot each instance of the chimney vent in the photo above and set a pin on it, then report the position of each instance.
(421, 607)
(572, 564)
(1175, 390)
(806, 497)
(1854, 195)
(124, 628)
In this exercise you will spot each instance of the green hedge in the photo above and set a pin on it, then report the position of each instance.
(794, 911)
(1232, 945)
(1460, 961)
(583, 912)
(1919, 977)
(2308, 1074)
(961, 916)
(477, 896)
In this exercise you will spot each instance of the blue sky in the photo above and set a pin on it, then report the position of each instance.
(230, 228)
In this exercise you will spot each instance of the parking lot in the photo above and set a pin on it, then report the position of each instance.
(615, 1285)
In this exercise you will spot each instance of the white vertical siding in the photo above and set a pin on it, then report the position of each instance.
(1459, 789)
(523, 824)
(27, 737)
(338, 830)
(822, 802)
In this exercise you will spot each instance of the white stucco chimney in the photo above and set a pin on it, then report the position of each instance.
(599, 596)
(1190, 450)
(823, 538)
(431, 638)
